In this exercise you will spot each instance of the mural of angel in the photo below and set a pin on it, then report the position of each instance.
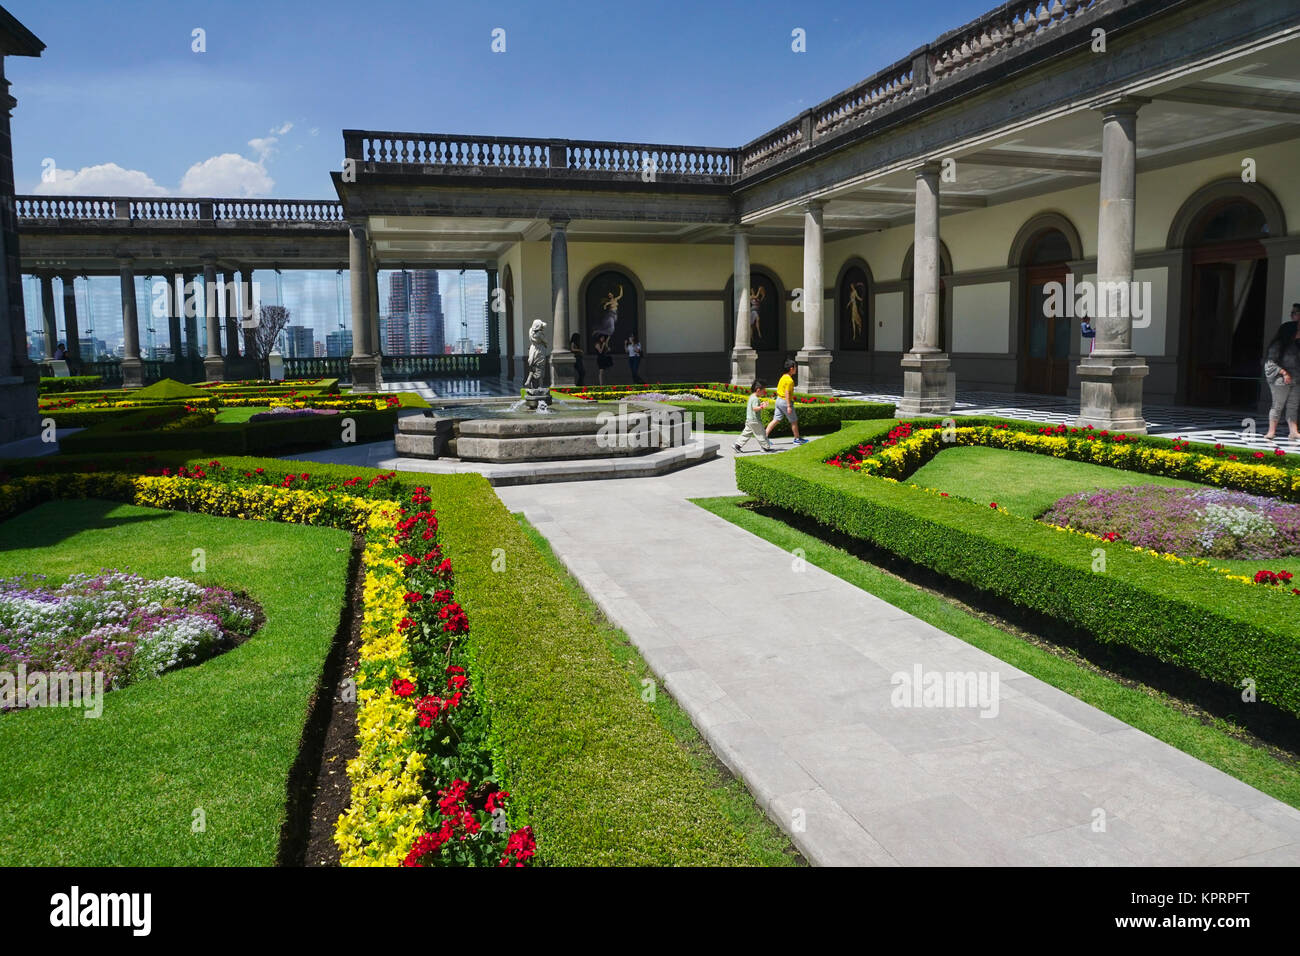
(755, 300)
(857, 296)
(610, 318)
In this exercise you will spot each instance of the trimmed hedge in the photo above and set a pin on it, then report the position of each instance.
(323, 386)
(228, 438)
(1182, 614)
(68, 383)
(814, 418)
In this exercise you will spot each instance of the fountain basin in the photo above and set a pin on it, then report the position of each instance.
(494, 430)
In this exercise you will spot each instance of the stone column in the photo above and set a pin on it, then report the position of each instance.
(49, 319)
(562, 359)
(493, 344)
(744, 360)
(230, 302)
(247, 311)
(214, 369)
(928, 386)
(365, 366)
(814, 358)
(174, 309)
(132, 366)
(376, 340)
(189, 305)
(18, 374)
(1110, 378)
(71, 327)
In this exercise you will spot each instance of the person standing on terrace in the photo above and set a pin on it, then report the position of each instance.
(603, 359)
(579, 370)
(1282, 372)
(633, 348)
(785, 403)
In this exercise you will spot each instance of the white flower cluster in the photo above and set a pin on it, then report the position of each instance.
(1234, 521)
(175, 643)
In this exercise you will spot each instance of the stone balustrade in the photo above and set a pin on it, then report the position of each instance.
(45, 209)
(450, 153)
(988, 41)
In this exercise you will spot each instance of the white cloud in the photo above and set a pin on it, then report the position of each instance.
(282, 129)
(106, 179)
(315, 130)
(227, 175)
(264, 146)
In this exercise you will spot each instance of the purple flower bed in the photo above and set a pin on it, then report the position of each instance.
(284, 412)
(1189, 522)
(128, 627)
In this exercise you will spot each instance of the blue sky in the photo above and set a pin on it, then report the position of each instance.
(122, 104)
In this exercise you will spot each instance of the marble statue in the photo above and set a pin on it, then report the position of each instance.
(538, 353)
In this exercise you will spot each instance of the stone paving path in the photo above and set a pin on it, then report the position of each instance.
(788, 676)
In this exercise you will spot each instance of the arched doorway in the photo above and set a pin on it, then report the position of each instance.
(945, 310)
(1226, 323)
(853, 307)
(1047, 329)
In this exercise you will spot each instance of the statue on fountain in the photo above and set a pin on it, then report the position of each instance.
(536, 391)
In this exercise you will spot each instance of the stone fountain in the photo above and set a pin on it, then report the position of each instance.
(536, 428)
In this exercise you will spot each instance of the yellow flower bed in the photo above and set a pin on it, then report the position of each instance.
(1261, 478)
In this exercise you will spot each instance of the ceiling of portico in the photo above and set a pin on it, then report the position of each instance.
(451, 239)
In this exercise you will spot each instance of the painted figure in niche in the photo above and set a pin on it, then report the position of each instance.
(857, 295)
(755, 301)
(610, 318)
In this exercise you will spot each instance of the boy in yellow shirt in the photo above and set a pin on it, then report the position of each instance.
(784, 408)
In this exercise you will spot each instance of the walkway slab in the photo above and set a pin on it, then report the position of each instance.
(789, 676)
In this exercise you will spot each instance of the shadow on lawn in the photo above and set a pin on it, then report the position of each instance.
(65, 519)
(1260, 724)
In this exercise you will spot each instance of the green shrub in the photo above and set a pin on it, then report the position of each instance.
(68, 383)
(726, 416)
(1182, 614)
(168, 390)
(229, 438)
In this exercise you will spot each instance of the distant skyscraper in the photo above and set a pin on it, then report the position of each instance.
(415, 321)
(299, 341)
(339, 344)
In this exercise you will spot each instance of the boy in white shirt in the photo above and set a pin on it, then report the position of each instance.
(753, 421)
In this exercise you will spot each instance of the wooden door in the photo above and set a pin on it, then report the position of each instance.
(1046, 346)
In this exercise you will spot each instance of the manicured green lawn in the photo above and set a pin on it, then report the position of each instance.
(1022, 482)
(220, 737)
(240, 414)
(1139, 707)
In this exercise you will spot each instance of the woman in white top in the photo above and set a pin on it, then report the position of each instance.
(633, 348)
